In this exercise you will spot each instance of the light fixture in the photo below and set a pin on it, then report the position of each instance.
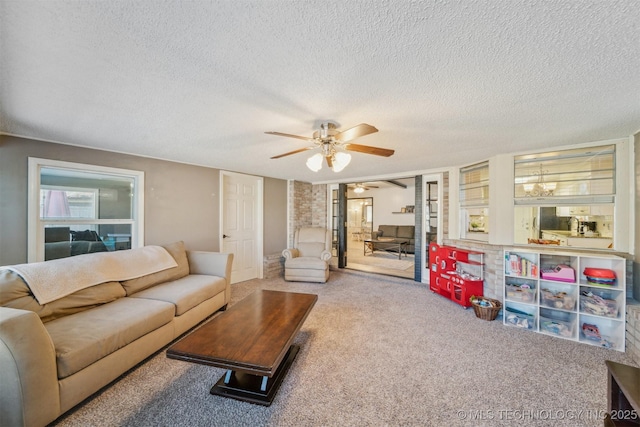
(358, 189)
(539, 188)
(339, 159)
(315, 162)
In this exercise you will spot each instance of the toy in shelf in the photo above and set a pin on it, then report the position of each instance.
(558, 299)
(519, 318)
(596, 304)
(560, 273)
(520, 292)
(592, 333)
(600, 276)
(556, 328)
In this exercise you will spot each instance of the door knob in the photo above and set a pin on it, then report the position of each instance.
(224, 236)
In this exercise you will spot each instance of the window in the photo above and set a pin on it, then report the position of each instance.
(474, 201)
(76, 209)
(566, 197)
(583, 175)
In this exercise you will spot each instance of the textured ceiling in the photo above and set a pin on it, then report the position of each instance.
(445, 82)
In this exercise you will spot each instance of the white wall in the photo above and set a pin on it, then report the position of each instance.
(387, 200)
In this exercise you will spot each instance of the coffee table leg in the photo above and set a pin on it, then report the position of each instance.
(254, 388)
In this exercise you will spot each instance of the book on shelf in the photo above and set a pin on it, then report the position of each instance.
(516, 265)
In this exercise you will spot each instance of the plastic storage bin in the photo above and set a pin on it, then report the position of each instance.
(557, 299)
(557, 323)
(599, 303)
(520, 293)
(518, 318)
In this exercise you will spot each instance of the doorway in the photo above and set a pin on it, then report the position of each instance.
(370, 205)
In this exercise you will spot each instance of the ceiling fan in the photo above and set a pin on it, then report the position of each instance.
(332, 144)
(360, 187)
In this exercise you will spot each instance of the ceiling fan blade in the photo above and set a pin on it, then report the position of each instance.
(355, 132)
(369, 150)
(292, 152)
(288, 135)
(329, 161)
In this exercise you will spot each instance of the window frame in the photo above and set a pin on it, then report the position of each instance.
(482, 203)
(36, 225)
(598, 199)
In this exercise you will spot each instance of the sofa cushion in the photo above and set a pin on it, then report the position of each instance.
(15, 293)
(178, 252)
(186, 292)
(83, 338)
(406, 232)
(388, 230)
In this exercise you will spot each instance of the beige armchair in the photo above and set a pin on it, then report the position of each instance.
(308, 260)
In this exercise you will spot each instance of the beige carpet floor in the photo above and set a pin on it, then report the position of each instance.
(378, 351)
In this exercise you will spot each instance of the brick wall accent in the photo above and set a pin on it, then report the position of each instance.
(319, 204)
(307, 206)
(300, 207)
(633, 331)
(273, 266)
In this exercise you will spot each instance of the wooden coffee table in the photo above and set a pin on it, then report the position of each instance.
(252, 340)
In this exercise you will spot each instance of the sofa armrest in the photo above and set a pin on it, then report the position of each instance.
(29, 394)
(376, 234)
(290, 253)
(212, 264)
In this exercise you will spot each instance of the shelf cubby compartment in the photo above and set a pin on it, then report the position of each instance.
(520, 316)
(521, 264)
(601, 332)
(600, 267)
(559, 268)
(558, 295)
(558, 323)
(521, 289)
(602, 302)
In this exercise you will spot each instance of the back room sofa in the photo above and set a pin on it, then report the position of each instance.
(398, 232)
(69, 327)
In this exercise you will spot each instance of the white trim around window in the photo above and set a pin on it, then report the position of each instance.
(35, 225)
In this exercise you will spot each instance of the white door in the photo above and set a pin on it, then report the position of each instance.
(241, 213)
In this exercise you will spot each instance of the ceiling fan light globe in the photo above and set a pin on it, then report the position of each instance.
(315, 162)
(340, 161)
(358, 190)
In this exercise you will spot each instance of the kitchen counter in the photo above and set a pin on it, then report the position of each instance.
(581, 241)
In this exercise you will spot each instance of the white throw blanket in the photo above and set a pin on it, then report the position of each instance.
(52, 280)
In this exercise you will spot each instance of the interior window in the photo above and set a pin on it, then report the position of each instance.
(474, 201)
(566, 198)
(76, 209)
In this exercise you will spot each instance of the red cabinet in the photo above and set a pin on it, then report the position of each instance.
(456, 273)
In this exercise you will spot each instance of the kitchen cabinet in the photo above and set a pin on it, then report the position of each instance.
(573, 210)
(555, 293)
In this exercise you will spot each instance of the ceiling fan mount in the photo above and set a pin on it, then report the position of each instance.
(333, 144)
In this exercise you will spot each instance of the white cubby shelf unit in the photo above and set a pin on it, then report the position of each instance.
(549, 293)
